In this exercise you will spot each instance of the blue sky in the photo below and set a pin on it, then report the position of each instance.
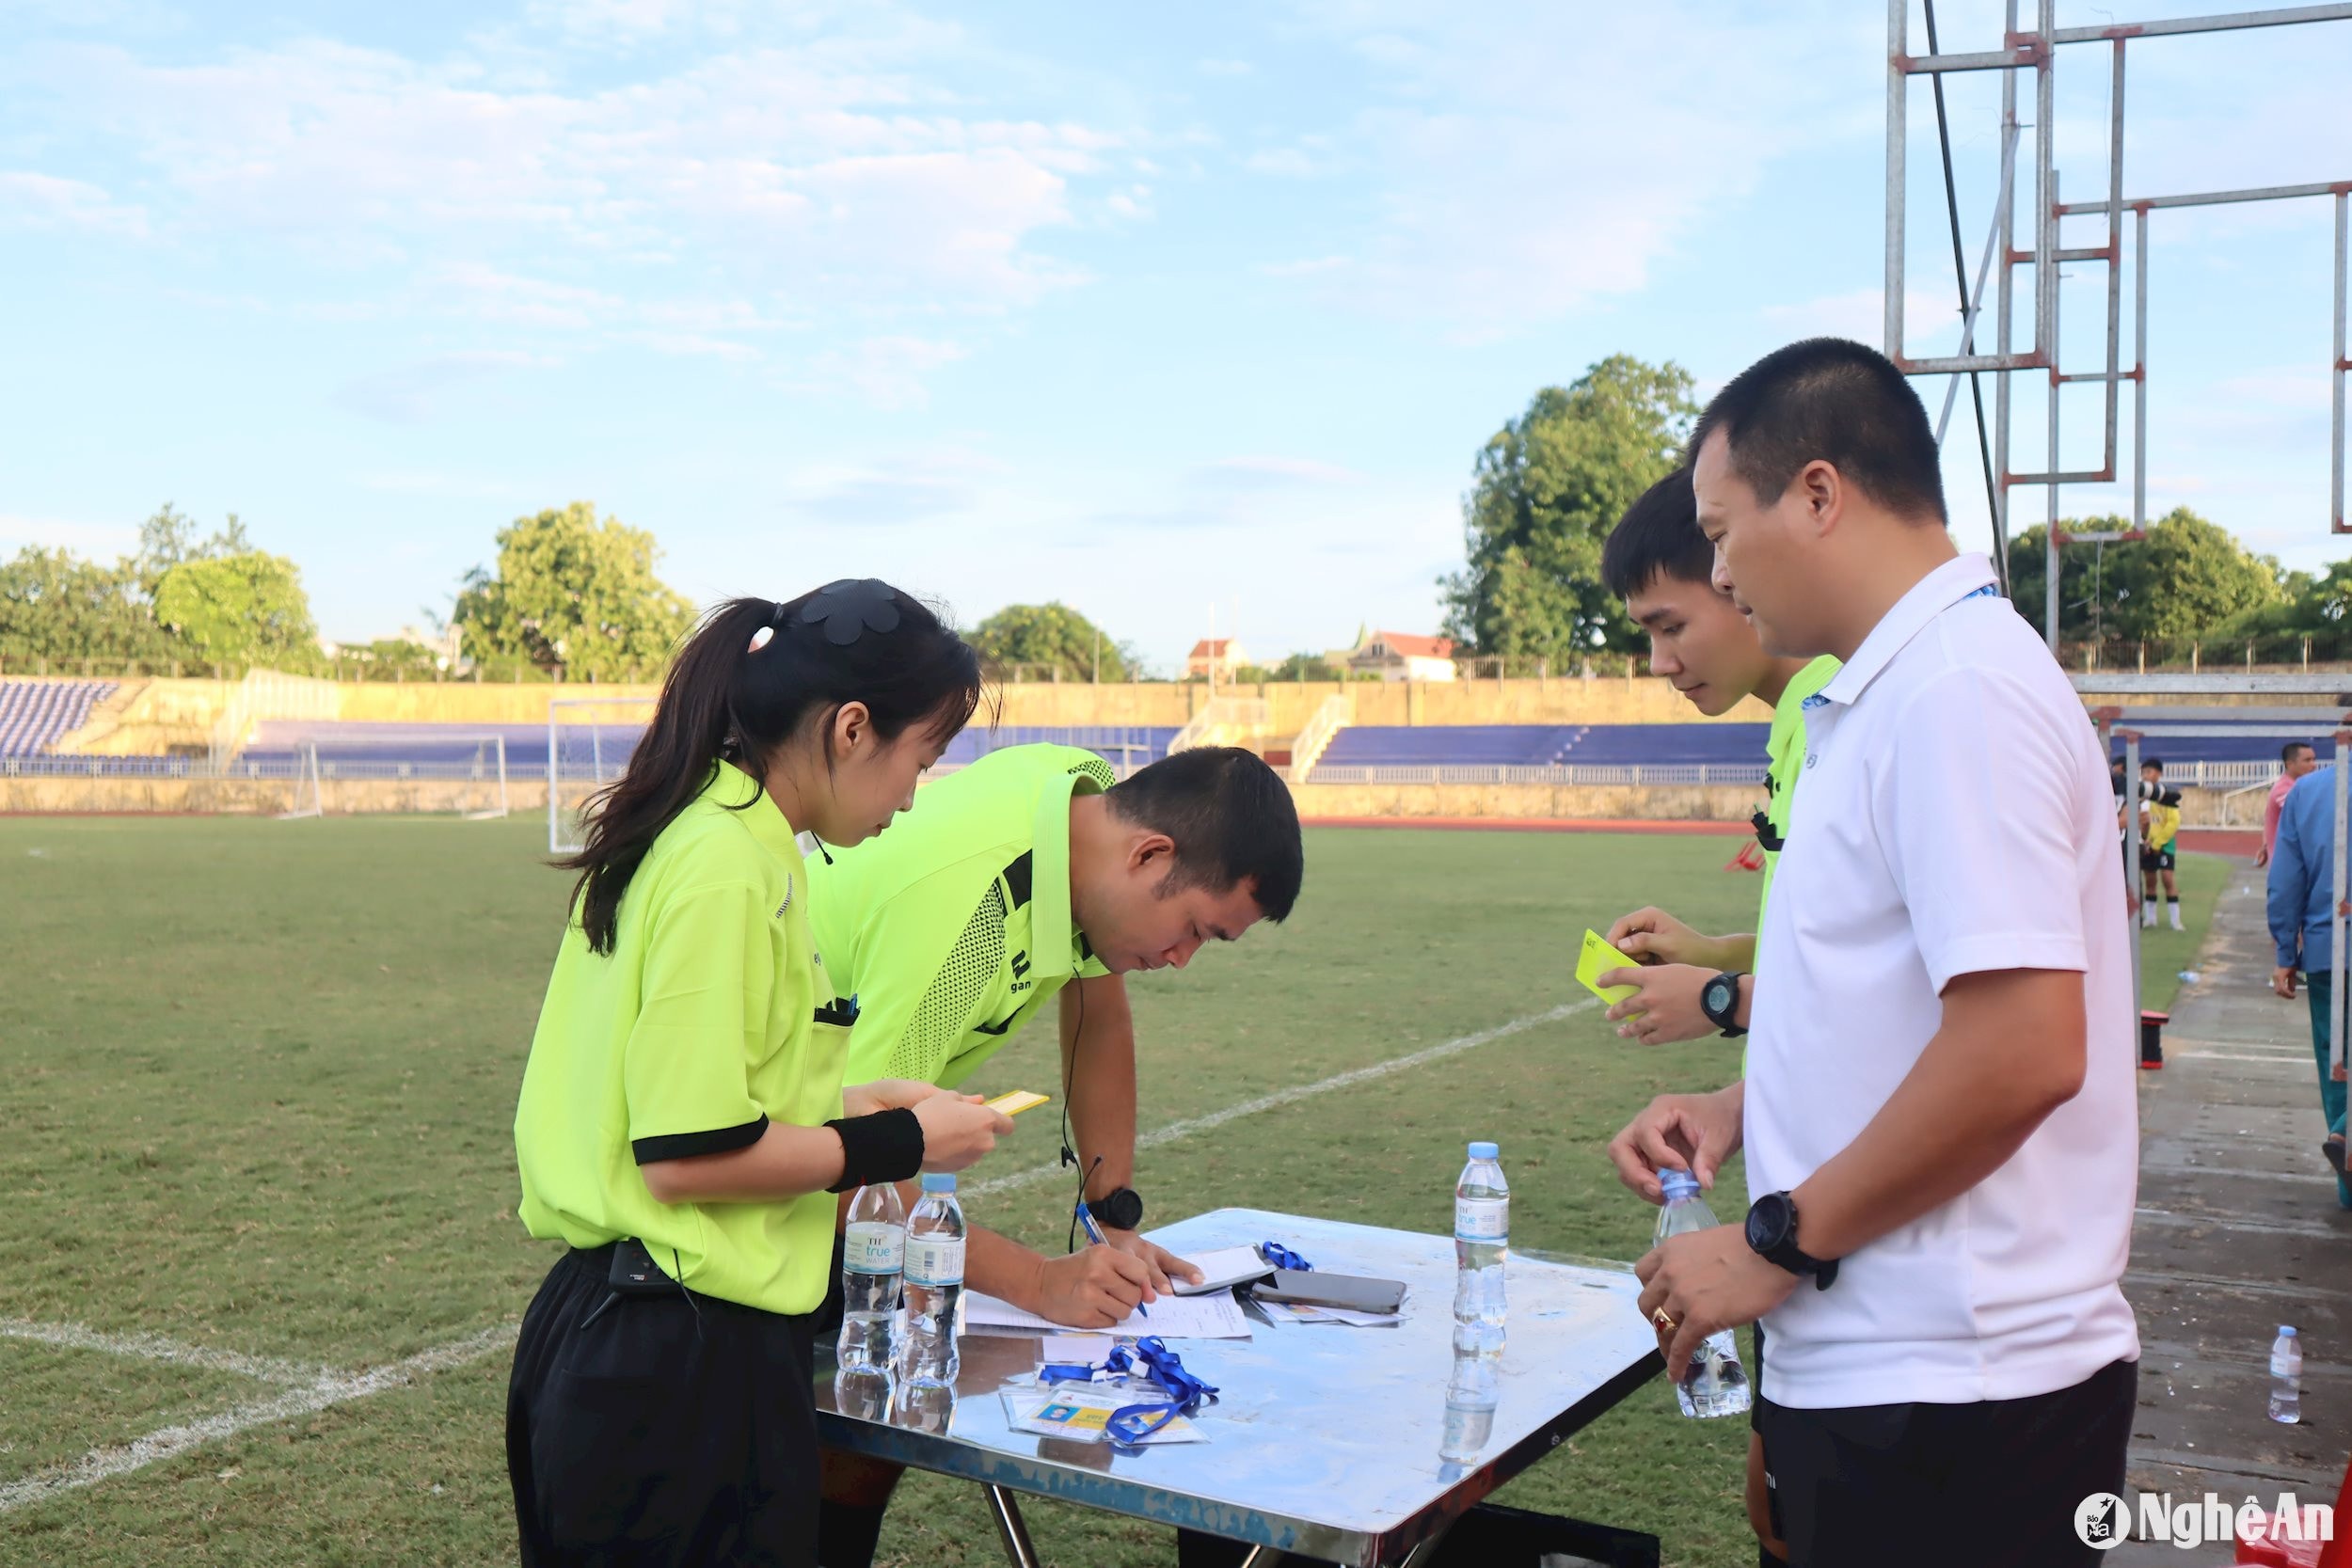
(1143, 309)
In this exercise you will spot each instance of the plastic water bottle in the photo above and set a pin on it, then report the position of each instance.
(2286, 1377)
(1471, 1398)
(873, 1250)
(934, 1281)
(1717, 1384)
(1482, 1240)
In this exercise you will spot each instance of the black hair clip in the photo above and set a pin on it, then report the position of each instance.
(852, 607)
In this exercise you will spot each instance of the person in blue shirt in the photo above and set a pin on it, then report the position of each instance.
(2302, 885)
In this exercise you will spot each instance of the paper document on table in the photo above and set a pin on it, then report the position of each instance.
(1223, 1269)
(1218, 1317)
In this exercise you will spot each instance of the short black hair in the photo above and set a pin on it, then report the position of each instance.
(1833, 400)
(1657, 539)
(2286, 753)
(1231, 818)
(2156, 763)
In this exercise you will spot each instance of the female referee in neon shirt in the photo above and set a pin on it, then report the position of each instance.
(682, 1116)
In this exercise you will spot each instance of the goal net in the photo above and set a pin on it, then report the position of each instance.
(589, 742)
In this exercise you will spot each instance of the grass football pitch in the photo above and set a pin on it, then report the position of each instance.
(258, 1185)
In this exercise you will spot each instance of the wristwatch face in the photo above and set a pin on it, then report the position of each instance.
(1121, 1211)
(1768, 1223)
(1716, 1001)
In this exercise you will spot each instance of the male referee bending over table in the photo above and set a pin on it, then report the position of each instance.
(1939, 1110)
(1032, 875)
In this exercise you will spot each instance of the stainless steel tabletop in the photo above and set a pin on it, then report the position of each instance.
(1325, 1439)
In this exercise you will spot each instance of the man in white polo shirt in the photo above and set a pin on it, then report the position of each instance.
(1939, 1109)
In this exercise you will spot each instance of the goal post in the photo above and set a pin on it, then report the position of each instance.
(307, 798)
(590, 740)
(484, 798)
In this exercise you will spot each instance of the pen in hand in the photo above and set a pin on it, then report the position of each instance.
(1095, 1234)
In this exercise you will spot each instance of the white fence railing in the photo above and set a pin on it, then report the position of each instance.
(292, 765)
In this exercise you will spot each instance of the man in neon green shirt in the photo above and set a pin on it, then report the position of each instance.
(1656, 560)
(1029, 876)
(1034, 874)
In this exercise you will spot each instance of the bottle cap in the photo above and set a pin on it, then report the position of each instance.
(1485, 1151)
(938, 1181)
(2287, 1330)
(1678, 1183)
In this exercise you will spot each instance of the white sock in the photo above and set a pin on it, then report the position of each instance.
(2147, 912)
(2175, 907)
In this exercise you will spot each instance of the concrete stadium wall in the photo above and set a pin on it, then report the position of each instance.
(255, 797)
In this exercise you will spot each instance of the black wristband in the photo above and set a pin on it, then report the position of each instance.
(884, 1147)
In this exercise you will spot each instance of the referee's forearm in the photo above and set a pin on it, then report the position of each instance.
(1099, 1065)
(785, 1161)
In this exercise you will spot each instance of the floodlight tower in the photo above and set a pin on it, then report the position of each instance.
(2037, 51)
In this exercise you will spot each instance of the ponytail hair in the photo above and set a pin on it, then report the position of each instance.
(752, 676)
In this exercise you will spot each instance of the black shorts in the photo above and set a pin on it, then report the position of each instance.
(2157, 859)
(648, 1430)
(1982, 1486)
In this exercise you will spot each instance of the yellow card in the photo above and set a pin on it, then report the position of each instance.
(1012, 1104)
(1598, 959)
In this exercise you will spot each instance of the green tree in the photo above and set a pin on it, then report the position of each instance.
(53, 605)
(1052, 636)
(243, 608)
(1547, 490)
(573, 594)
(2188, 579)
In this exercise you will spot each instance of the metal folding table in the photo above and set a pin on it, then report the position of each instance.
(1325, 1441)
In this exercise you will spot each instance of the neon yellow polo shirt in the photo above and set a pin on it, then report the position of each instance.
(1785, 750)
(953, 928)
(701, 1026)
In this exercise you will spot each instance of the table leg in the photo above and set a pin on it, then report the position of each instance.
(1011, 1529)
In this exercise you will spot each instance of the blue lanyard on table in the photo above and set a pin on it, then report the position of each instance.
(1131, 1423)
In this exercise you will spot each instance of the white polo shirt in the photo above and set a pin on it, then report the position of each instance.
(1955, 818)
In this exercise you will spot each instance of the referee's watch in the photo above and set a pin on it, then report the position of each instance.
(1773, 1236)
(1719, 1000)
(1118, 1211)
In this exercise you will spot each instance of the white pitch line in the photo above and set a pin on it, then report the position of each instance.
(154, 1347)
(1426, 1054)
(330, 1388)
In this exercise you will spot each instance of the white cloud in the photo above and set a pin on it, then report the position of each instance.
(1511, 191)
(415, 393)
(890, 373)
(1306, 267)
(1283, 162)
(1931, 319)
(825, 169)
(47, 201)
(1263, 472)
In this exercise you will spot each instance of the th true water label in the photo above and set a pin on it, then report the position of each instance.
(870, 1246)
(1482, 1219)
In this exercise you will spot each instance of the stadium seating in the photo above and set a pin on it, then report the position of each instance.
(32, 714)
(1544, 745)
(2249, 748)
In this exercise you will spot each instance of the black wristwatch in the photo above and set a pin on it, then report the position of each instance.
(1773, 1236)
(1719, 1000)
(1119, 1210)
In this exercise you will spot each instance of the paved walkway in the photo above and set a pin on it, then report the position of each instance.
(2238, 1231)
